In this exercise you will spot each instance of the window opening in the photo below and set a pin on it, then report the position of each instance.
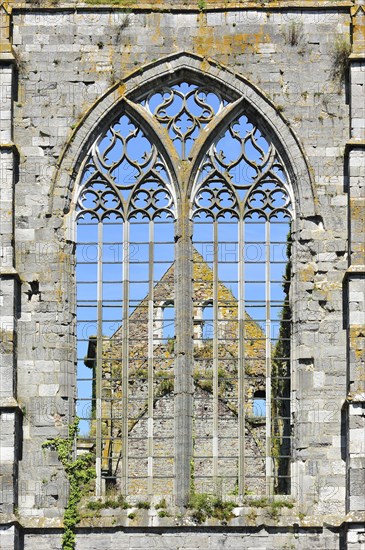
(125, 245)
(207, 332)
(168, 323)
(242, 217)
(259, 404)
(127, 328)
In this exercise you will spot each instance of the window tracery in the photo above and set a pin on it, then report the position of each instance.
(240, 209)
(184, 109)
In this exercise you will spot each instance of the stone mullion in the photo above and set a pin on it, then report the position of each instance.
(215, 357)
(241, 363)
(125, 357)
(99, 361)
(184, 356)
(355, 281)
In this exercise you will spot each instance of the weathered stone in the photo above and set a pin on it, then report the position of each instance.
(56, 95)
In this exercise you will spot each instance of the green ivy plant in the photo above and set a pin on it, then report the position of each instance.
(79, 472)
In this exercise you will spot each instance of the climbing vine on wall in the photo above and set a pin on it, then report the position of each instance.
(79, 471)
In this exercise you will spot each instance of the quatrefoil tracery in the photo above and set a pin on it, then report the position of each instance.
(242, 176)
(126, 176)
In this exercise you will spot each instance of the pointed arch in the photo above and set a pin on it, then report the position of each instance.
(263, 161)
(201, 71)
(95, 124)
(124, 175)
(241, 97)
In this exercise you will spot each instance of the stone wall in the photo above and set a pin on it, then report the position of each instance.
(64, 68)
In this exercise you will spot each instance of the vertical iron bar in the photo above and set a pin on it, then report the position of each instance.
(125, 358)
(150, 357)
(215, 355)
(99, 360)
(241, 361)
(268, 362)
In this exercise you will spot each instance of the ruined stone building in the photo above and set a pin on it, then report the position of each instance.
(162, 397)
(182, 270)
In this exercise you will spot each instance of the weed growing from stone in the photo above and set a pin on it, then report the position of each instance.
(205, 506)
(161, 504)
(143, 505)
(341, 52)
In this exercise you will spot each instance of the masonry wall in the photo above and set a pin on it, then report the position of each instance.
(56, 64)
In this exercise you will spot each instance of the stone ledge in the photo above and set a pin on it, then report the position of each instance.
(211, 5)
(9, 272)
(8, 147)
(7, 56)
(11, 405)
(355, 270)
(354, 144)
(112, 522)
(357, 57)
(355, 398)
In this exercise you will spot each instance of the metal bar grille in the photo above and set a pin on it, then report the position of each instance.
(239, 395)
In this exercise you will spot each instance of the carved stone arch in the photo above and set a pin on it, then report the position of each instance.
(277, 132)
(246, 98)
(218, 127)
(87, 132)
(243, 98)
(199, 70)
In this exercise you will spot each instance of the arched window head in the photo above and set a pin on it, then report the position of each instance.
(242, 175)
(259, 403)
(207, 328)
(190, 320)
(125, 176)
(168, 315)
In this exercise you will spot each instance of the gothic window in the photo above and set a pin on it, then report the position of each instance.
(183, 311)
(125, 213)
(242, 212)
